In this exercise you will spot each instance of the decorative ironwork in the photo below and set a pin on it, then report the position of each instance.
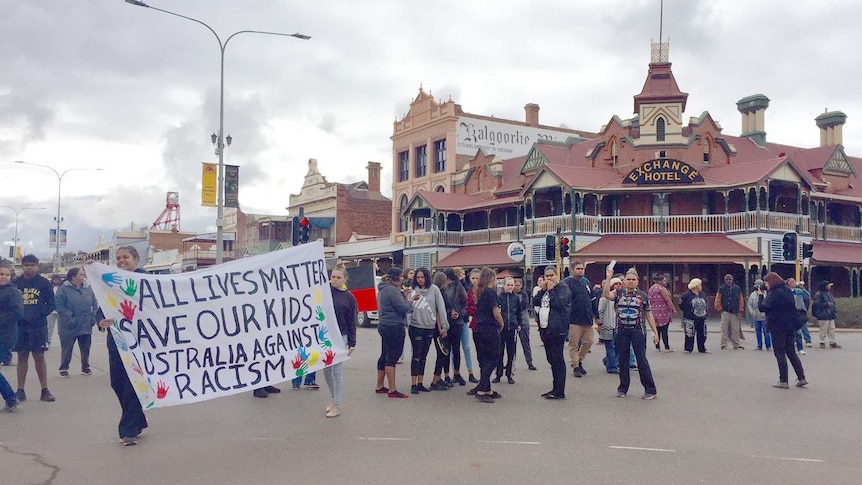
(660, 52)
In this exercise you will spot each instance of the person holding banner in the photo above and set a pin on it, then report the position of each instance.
(132, 420)
(346, 314)
(392, 310)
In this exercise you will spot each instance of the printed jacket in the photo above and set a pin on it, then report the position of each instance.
(561, 308)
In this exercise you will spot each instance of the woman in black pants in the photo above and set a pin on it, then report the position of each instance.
(392, 310)
(782, 323)
(132, 421)
(486, 336)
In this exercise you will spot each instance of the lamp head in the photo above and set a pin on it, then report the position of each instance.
(214, 137)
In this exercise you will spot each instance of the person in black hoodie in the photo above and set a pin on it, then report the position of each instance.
(11, 309)
(344, 304)
(511, 309)
(38, 295)
(823, 309)
(581, 333)
(782, 323)
(554, 302)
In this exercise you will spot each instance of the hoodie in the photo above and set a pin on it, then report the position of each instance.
(38, 294)
(11, 308)
(429, 308)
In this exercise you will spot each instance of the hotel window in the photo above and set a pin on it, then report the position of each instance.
(402, 217)
(659, 129)
(706, 151)
(421, 161)
(440, 156)
(660, 205)
(403, 166)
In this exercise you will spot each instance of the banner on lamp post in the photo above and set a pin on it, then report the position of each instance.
(209, 184)
(52, 238)
(231, 186)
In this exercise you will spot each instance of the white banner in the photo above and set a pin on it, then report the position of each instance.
(222, 330)
(503, 139)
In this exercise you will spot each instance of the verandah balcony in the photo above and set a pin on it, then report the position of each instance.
(600, 225)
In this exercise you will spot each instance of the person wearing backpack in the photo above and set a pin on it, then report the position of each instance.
(802, 301)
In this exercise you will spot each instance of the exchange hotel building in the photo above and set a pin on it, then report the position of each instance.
(666, 194)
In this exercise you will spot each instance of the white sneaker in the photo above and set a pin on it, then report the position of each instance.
(333, 412)
(801, 352)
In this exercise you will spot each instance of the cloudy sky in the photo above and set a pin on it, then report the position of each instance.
(104, 84)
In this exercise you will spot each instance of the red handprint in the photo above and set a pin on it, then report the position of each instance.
(297, 362)
(128, 308)
(162, 390)
(328, 357)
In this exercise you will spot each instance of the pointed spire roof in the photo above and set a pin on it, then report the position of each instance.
(660, 85)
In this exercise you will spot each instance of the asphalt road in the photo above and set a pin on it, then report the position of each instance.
(716, 420)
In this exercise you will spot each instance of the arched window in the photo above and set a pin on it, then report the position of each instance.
(402, 217)
(659, 129)
(440, 188)
(706, 149)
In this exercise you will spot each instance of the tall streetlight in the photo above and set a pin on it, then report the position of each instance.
(59, 219)
(15, 241)
(220, 139)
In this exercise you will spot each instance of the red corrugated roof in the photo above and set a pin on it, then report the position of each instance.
(493, 255)
(702, 248)
(833, 252)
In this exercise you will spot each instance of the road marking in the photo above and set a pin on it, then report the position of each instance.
(787, 458)
(365, 438)
(641, 449)
(513, 442)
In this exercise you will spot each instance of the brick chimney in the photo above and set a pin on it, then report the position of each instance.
(831, 125)
(532, 110)
(753, 109)
(373, 176)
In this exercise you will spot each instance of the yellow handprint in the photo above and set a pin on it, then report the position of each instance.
(313, 358)
(112, 301)
(141, 386)
(318, 297)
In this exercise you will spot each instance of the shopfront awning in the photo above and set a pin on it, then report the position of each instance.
(492, 255)
(834, 253)
(661, 248)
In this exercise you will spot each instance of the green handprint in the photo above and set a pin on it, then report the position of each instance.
(320, 315)
(303, 369)
(131, 287)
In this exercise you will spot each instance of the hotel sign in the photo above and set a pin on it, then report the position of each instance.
(663, 171)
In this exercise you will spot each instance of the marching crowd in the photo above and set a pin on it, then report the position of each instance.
(443, 310)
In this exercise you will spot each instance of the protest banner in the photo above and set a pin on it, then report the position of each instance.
(222, 330)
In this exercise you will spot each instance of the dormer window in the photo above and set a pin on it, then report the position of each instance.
(706, 151)
(659, 129)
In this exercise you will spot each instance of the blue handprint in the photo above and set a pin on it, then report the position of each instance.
(303, 353)
(111, 279)
(321, 334)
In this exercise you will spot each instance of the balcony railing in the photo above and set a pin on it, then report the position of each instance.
(600, 225)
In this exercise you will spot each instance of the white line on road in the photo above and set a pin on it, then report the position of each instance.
(641, 449)
(787, 458)
(513, 442)
(365, 438)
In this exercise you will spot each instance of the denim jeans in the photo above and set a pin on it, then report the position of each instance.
(802, 334)
(762, 335)
(468, 354)
(524, 335)
(335, 379)
(310, 380)
(6, 391)
(628, 338)
(611, 360)
(66, 346)
(420, 339)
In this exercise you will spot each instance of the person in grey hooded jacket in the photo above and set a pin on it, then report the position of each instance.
(428, 316)
(76, 311)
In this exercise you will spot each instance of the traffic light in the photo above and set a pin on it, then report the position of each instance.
(564, 247)
(807, 250)
(294, 233)
(305, 228)
(551, 248)
(789, 246)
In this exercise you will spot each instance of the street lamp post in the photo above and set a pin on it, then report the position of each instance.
(59, 219)
(220, 139)
(15, 241)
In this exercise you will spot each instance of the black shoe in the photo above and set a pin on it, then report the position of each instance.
(510, 380)
(47, 396)
(473, 379)
(448, 382)
(581, 366)
(546, 394)
(272, 389)
(578, 372)
(21, 395)
(532, 367)
(414, 389)
(484, 398)
(554, 396)
(459, 380)
(496, 380)
(438, 386)
(422, 388)
(260, 392)
(472, 392)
